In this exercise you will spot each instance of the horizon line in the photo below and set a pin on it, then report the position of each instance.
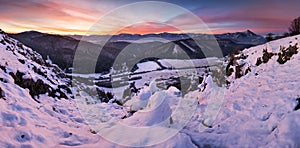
(82, 34)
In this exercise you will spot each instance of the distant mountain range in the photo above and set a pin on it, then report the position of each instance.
(247, 37)
(61, 49)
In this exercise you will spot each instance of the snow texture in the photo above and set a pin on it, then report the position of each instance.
(256, 110)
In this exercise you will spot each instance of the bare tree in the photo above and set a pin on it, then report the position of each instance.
(295, 26)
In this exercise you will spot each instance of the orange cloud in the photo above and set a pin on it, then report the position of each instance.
(46, 16)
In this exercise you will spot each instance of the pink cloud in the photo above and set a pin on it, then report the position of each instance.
(259, 18)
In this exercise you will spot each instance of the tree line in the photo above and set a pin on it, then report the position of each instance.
(294, 29)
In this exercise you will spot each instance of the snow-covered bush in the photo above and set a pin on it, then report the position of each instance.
(2, 94)
(285, 54)
(238, 65)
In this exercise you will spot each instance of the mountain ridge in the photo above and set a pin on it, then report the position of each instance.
(61, 49)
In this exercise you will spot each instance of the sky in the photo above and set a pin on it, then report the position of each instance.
(78, 16)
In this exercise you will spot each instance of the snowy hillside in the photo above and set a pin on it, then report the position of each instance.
(258, 107)
(36, 106)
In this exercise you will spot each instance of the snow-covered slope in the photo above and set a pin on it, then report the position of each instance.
(257, 109)
(37, 108)
(259, 105)
(36, 105)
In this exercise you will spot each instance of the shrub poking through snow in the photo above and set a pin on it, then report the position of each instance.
(248, 70)
(285, 54)
(218, 76)
(39, 87)
(2, 95)
(280, 59)
(98, 95)
(266, 56)
(238, 71)
(129, 91)
(258, 61)
(30, 71)
(298, 105)
(104, 96)
(237, 66)
(232, 61)
(229, 71)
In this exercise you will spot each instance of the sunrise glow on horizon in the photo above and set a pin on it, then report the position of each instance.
(76, 17)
